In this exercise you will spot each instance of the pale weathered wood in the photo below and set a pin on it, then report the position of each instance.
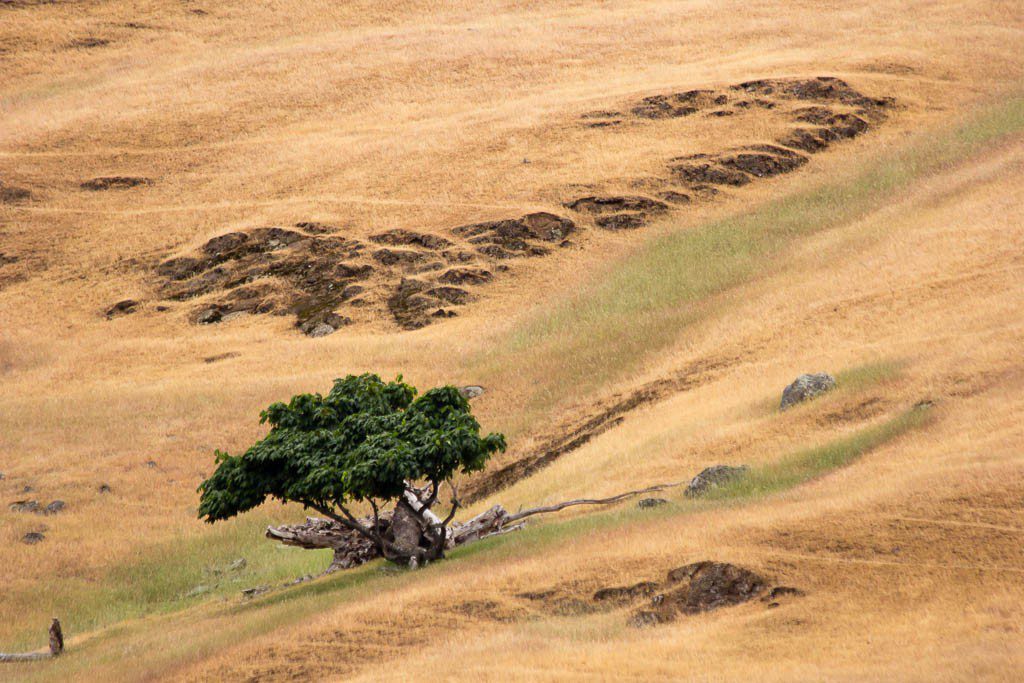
(411, 530)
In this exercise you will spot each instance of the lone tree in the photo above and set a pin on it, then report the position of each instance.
(365, 442)
(374, 443)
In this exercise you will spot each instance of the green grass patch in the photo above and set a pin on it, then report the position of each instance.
(165, 577)
(641, 306)
(786, 473)
(869, 374)
(808, 464)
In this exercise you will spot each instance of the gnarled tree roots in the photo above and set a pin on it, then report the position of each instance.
(413, 534)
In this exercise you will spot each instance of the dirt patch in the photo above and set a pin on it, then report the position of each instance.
(10, 194)
(114, 183)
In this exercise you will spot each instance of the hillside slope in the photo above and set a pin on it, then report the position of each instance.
(890, 256)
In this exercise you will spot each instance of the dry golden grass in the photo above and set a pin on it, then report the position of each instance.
(419, 115)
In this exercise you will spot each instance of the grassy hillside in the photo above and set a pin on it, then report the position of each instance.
(892, 260)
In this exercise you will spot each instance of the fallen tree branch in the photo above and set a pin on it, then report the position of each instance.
(352, 549)
(587, 501)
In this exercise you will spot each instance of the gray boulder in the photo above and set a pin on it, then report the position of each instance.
(713, 477)
(472, 391)
(806, 387)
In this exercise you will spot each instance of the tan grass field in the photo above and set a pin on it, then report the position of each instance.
(894, 260)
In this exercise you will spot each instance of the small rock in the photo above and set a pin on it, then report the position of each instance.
(103, 488)
(198, 590)
(33, 537)
(54, 507)
(301, 579)
(647, 503)
(151, 464)
(238, 565)
(25, 506)
(713, 477)
(2, 476)
(472, 391)
(625, 594)
(806, 387)
(779, 591)
(122, 308)
(27, 489)
(253, 592)
(321, 330)
(702, 587)
(209, 317)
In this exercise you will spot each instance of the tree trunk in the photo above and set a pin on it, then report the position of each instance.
(406, 528)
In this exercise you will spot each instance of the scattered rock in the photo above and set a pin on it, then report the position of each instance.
(675, 197)
(324, 324)
(765, 161)
(125, 307)
(779, 591)
(221, 356)
(472, 391)
(675, 105)
(806, 387)
(518, 237)
(114, 183)
(25, 506)
(87, 43)
(704, 586)
(394, 257)
(10, 194)
(625, 594)
(713, 477)
(209, 316)
(401, 237)
(621, 221)
(301, 579)
(465, 276)
(599, 205)
(33, 537)
(54, 507)
(648, 503)
(253, 592)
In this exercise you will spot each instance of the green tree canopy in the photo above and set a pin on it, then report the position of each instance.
(365, 441)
